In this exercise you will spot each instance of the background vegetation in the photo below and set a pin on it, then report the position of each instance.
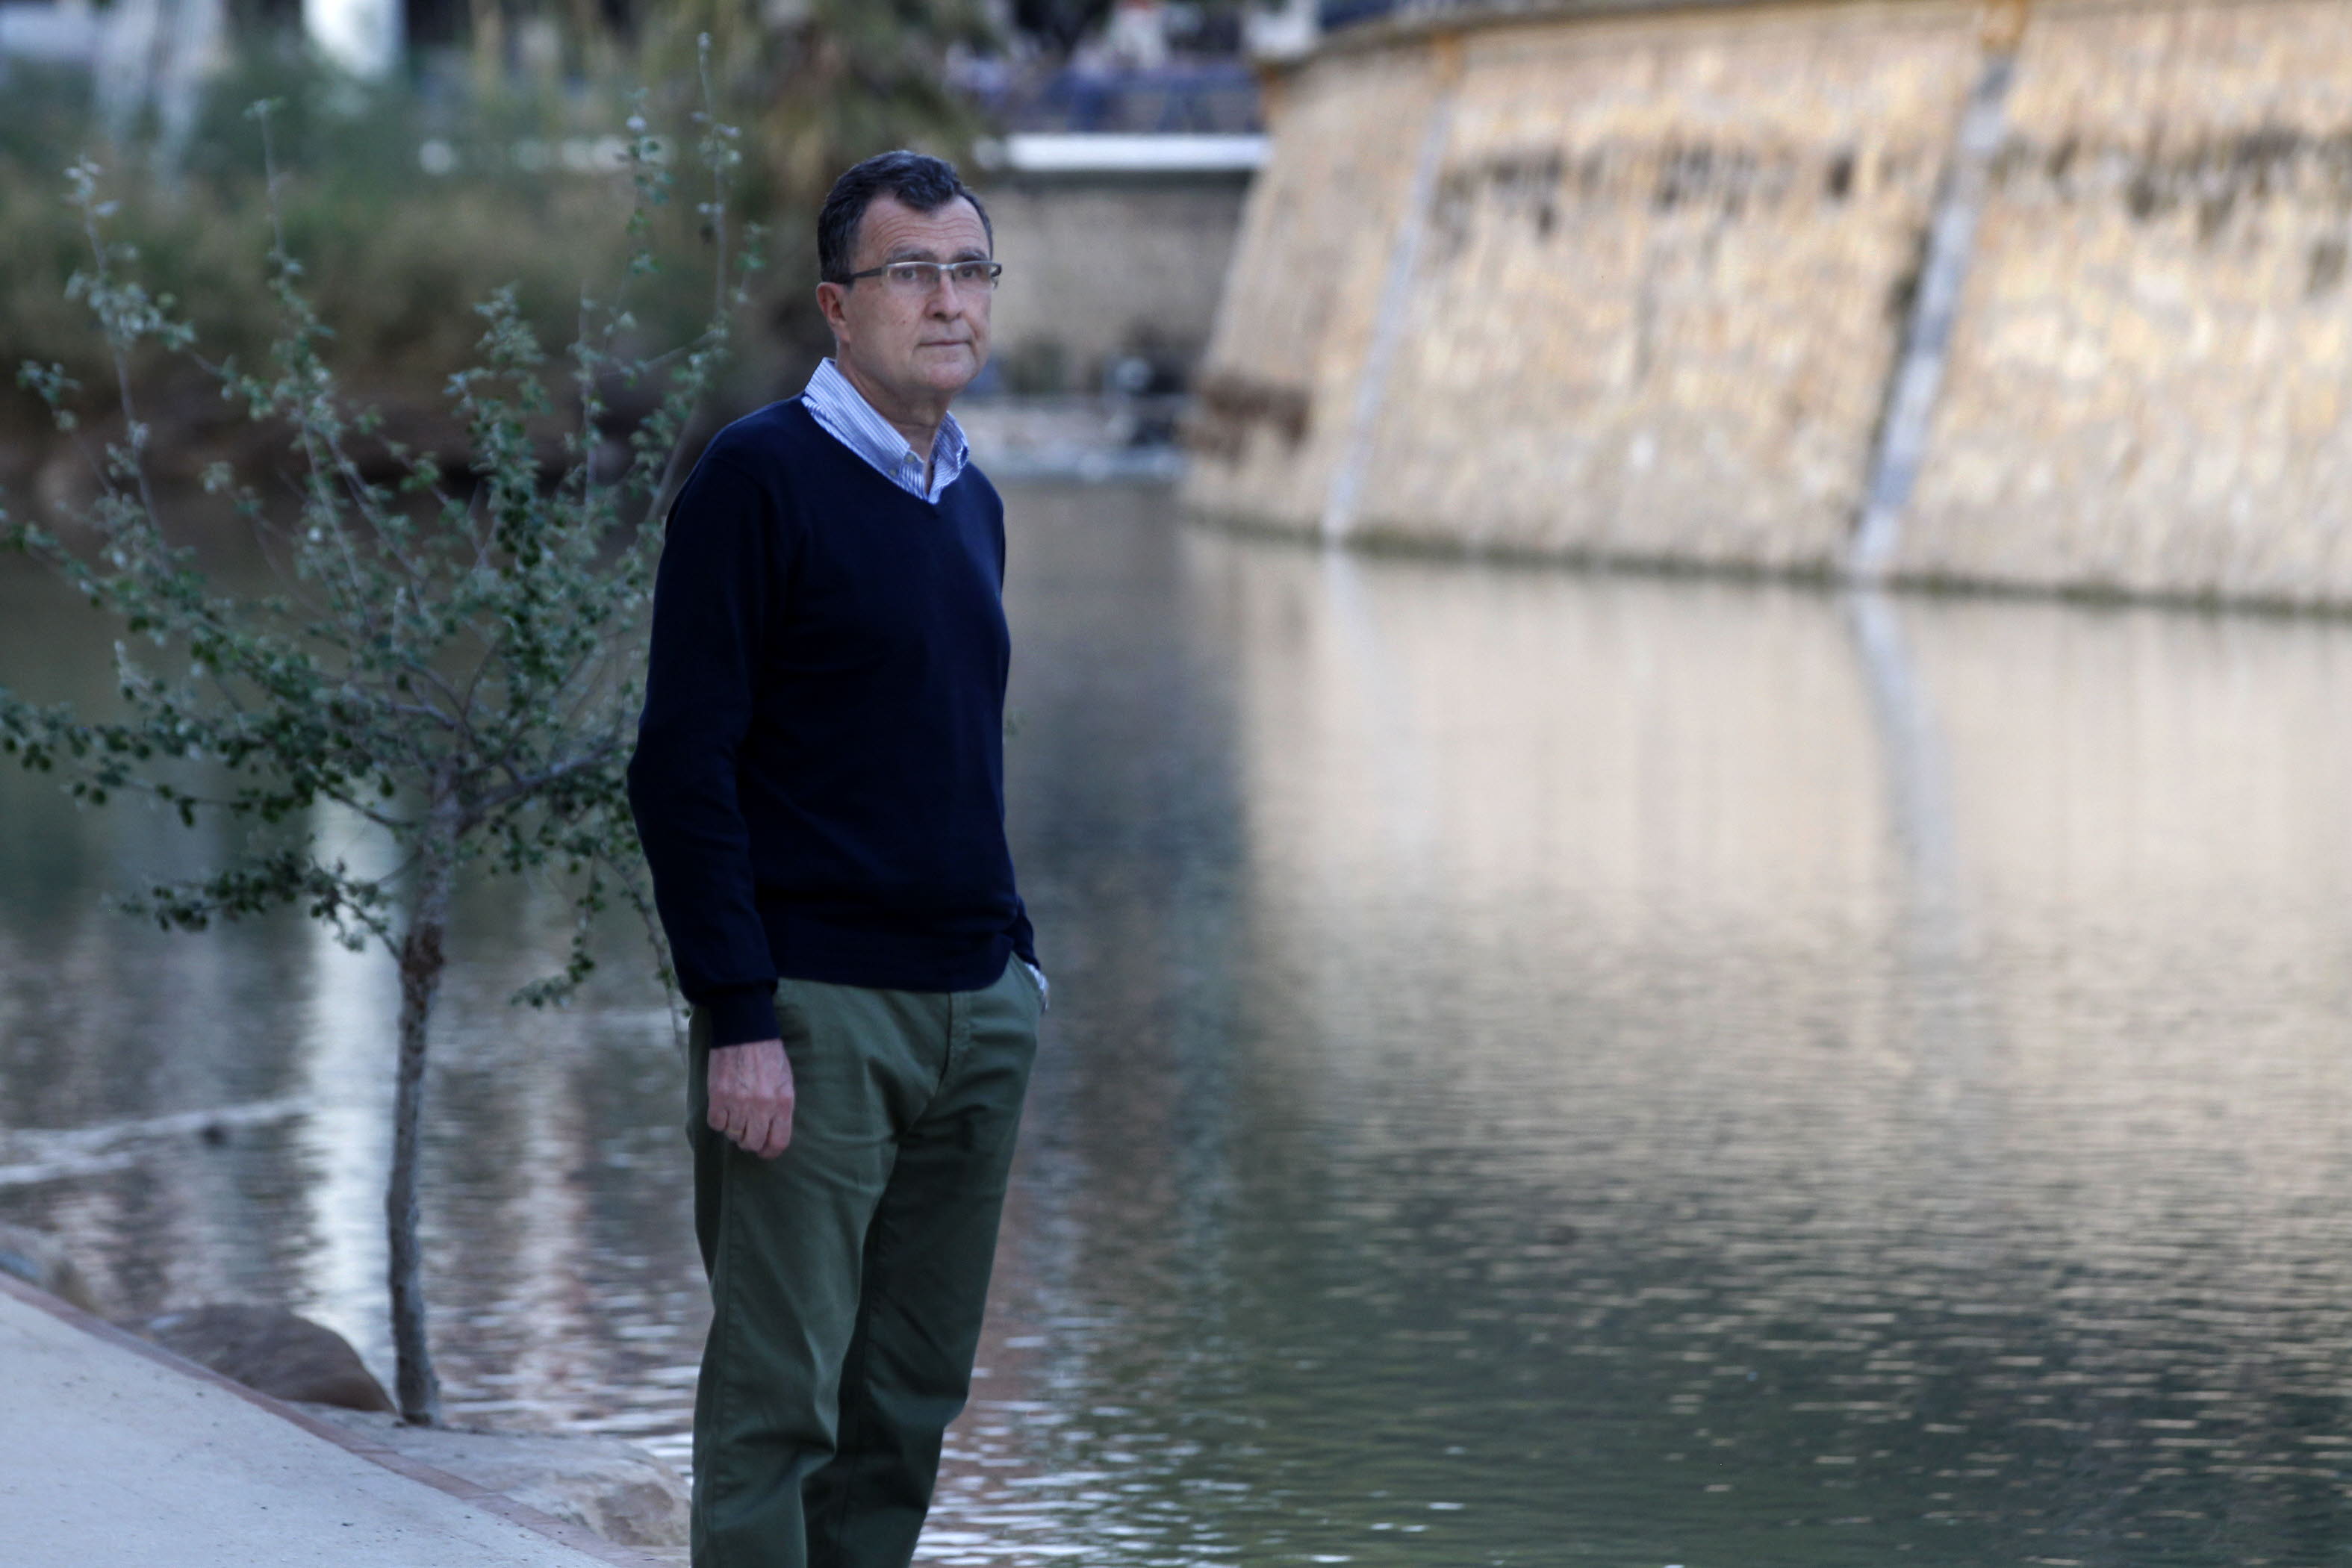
(351, 342)
(406, 202)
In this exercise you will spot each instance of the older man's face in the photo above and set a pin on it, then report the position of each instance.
(921, 347)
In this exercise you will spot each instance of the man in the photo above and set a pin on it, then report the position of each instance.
(819, 784)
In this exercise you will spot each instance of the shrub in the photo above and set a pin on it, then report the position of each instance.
(453, 656)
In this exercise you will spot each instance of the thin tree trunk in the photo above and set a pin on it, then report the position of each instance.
(589, 37)
(489, 43)
(421, 960)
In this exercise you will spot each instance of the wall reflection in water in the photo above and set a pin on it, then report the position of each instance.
(1544, 1068)
(1570, 1066)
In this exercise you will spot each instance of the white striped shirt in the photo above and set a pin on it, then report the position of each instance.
(848, 418)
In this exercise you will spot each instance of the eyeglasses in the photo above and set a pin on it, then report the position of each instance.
(917, 279)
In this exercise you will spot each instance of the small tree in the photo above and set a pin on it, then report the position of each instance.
(450, 660)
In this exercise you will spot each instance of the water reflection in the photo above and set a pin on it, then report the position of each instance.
(1544, 1068)
(344, 1153)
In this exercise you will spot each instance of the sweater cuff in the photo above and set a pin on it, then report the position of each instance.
(741, 1015)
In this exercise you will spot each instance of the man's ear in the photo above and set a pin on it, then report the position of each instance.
(832, 300)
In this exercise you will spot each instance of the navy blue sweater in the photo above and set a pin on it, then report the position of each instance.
(819, 778)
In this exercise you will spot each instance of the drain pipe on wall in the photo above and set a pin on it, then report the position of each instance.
(1396, 298)
(1902, 443)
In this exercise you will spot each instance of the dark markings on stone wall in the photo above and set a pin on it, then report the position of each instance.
(1725, 178)
(1227, 407)
(2068, 438)
(1542, 188)
(2207, 179)
(2326, 266)
(1903, 289)
(1529, 185)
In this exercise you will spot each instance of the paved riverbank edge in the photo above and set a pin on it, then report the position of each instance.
(114, 1450)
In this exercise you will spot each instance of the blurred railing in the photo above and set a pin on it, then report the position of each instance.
(1216, 96)
(1333, 14)
(51, 34)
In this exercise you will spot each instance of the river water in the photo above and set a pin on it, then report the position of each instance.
(1545, 1068)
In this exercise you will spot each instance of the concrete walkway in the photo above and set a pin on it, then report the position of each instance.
(114, 1452)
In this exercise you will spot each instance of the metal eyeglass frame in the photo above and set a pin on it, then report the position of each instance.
(939, 270)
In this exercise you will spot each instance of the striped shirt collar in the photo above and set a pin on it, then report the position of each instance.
(843, 410)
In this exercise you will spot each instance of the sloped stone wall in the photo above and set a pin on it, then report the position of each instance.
(1302, 297)
(1633, 286)
(2148, 384)
(1099, 268)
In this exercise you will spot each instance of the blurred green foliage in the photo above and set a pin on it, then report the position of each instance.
(408, 202)
(395, 256)
(816, 86)
(449, 650)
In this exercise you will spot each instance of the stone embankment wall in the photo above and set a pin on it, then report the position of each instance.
(1104, 267)
(1638, 287)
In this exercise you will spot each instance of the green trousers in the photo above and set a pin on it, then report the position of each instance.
(848, 1273)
